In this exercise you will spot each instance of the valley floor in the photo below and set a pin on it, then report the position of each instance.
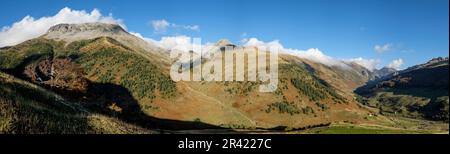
(396, 126)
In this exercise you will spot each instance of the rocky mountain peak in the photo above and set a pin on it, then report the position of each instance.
(75, 32)
(87, 31)
(86, 27)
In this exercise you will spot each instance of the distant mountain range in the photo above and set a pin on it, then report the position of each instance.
(418, 91)
(385, 71)
(101, 79)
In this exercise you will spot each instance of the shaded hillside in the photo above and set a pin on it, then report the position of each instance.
(419, 91)
(27, 108)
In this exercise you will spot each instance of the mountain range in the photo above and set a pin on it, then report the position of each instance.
(99, 78)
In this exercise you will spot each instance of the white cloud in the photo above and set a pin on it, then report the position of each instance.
(396, 64)
(251, 42)
(29, 27)
(370, 64)
(161, 26)
(312, 54)
(191, 27)
(383, 48)
(182, 43)
(254, 42)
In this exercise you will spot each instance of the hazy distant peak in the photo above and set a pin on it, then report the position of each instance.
(385, 71)
(437, 60)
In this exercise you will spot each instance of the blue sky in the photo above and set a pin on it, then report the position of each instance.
(413, 30)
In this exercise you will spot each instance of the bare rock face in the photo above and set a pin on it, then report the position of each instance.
(74, 32)
(93, 27)
(86, 31)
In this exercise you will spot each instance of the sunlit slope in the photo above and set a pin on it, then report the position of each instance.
(305, 95)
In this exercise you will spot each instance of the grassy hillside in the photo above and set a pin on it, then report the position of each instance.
(416, 93)
(303, 98)
(27, 108)
(102, 86)
(119, 82)
(104, 60)
(361, 129)
(115, 64)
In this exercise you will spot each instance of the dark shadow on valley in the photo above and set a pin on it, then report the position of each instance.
(20, 68)
(111, 100)
(420, 83)
(104, 97)
(14, 96)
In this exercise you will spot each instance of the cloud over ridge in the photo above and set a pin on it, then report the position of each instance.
(395, 64)
(30, 27)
